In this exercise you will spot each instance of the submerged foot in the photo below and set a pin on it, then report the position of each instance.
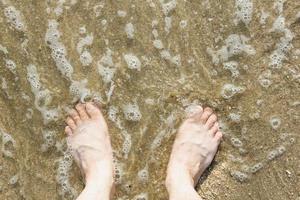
(90, 145)
(194, 148)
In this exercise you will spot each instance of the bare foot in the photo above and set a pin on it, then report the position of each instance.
(194, 148)
(90, 146)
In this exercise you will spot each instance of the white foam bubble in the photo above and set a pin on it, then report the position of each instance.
(244, 9)
(62, 176)
(126, 147)
(276, 153)
(112, 113)
(86, 58)
(106, 67)
(7, 139)
(240, 176)
(85, 41)
(13, 16)
(3, 49)
(129, 29)
(49, 140)
(158, 44)
(58, 51)
(183, 24)
(168, 24)
(255, 168)
(232, 66)
(79, 89)
(263, 17)
(132, 61)
(235, 117)
(264, 79)
(278, 5)
(33, 78)
(121, 13)
(142, 196)
(234, 45)
(132, 112)
(14, 180)
(143, 175)
(236, 142)
(275, 122)
(229, 90)
(168, 7)
(11, 65)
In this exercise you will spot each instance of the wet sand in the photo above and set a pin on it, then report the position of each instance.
(146, 62)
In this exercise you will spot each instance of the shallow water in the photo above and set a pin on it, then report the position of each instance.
(146, 62)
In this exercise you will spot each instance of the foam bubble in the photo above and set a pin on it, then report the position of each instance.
(129, 29)
(236, 142)
(58, 51)
(49, 140)
(112, 113)
(230, 90)
(240, 176)
(13, 16)
(275, 122)
(14, 180)
(33, 78)
(255, 168)
(11, 65)
(121, 13)
(276, 153)
(158, 44)
(169, 6)
(132, 112)
(143, 175)
(234, 45)
(7, 139)
(232, 66)
(142, 196)
(78, 89)
(278, 5)
(3, 49)
(264, 79)
(86, 58)
(176, 60)
(85, 41)
(235, 117)
(118, 171)
(263, 17)
(244, 11)
(132, 61)
(183, 24)
(168, 24)
(62, 176)
(126, 147)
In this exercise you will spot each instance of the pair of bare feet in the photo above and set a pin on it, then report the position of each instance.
(194, 148)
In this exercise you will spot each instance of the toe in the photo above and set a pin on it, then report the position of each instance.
(194, 112)
(218, 136)
(93, 111)
(211, 121)
(71, 123)
(82, 111)
(214, 129)
(74, 114)
(68, 131)
(205, 115)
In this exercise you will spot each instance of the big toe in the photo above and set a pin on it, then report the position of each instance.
(93, 111)
(194, 112)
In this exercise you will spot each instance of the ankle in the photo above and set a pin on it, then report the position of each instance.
(183, 192)
(180, 186)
